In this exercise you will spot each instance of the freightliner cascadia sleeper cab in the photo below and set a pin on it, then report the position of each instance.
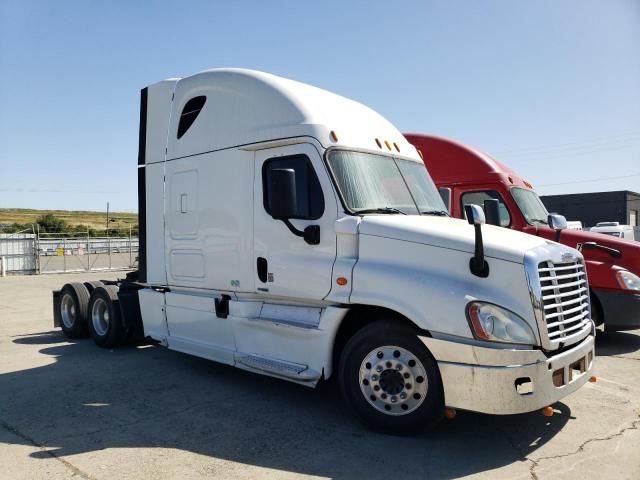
(295, 233)
(471, 176)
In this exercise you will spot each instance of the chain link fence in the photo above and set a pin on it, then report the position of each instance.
(38, 252)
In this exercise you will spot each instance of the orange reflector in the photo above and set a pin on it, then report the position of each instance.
(450, 413)
(333, 136)
(379, 144)
(547, 411)
(341, 281)
(387, 144)
(396, 145)
(593, 379)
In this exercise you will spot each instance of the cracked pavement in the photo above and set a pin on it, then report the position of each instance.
(71, 410)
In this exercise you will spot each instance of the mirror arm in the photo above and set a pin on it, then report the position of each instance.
(311, 233)
(292, 229)
(478, 265)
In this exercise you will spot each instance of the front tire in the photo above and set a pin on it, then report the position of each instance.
(390, 380)
(105, 322)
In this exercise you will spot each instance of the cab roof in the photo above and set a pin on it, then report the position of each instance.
(450, 162)
(244, 107)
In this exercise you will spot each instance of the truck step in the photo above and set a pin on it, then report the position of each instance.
(280, 368)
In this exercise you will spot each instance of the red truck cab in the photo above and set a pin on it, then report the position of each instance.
(613, 265)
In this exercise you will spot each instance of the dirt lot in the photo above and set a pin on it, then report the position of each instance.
(70, 409)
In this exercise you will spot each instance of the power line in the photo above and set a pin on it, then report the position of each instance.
(602, 179)
(594, 143)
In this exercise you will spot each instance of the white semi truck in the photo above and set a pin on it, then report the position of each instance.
(295, 233)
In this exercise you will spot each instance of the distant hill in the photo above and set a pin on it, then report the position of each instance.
(96, 220)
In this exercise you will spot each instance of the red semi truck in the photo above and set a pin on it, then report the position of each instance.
(465, 175)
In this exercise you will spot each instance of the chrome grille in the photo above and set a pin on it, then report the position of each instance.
(565, 300)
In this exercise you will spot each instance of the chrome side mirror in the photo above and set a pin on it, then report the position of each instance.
(475, 214)
(556, 222)
(478, 265)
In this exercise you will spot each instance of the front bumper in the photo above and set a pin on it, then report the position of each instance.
(507, 381)
(621, 310)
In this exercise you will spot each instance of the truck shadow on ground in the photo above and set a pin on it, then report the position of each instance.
(616, 343)
(92, 399)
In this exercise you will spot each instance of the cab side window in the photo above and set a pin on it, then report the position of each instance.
(308, 191)
(478, 198)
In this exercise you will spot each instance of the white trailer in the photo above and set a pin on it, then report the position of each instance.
(295, 233)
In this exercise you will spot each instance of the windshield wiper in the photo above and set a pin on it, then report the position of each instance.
(381, 210)
(439, 213)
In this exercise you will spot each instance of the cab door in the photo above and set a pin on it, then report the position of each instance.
(285, 264)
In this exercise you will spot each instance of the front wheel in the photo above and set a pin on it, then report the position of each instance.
(389, 378)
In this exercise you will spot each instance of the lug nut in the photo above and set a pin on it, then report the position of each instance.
(379, 368)
(374, 377)
(403, 395)
(394, 399)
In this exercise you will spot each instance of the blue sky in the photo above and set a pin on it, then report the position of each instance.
(551, 88)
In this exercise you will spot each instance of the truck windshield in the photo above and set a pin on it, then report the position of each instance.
(530, 205)
(371, 183)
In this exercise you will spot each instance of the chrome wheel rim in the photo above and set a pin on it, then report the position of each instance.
(68, 310)
(100, 316)
(393, 380)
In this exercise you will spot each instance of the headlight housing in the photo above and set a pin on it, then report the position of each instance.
(628, 280)
(496, 324)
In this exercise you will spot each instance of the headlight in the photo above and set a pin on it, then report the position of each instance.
(628, 280)
(496, 324)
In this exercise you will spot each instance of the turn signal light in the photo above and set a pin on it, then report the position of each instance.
(341, 281)
(450, 413)
(593, 379)
(547, 411)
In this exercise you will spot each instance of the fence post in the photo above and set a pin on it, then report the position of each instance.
(88, 251)
(64, 254)
(3, 268)
(38, 248)
(130, 247)
(109, 248)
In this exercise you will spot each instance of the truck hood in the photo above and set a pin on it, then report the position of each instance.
(630, 249)
(452, 233)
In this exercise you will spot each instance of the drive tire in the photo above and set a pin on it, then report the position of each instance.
(74, 301)
(92, 285)
(104, 318)
(402, 349)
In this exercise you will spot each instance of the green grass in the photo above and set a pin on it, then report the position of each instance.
(95, 220)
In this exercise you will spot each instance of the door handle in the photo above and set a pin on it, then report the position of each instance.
(263, 268)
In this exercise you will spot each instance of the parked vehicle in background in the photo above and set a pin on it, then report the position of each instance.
(614, 229)
(294, 233)
(574, 225)
(470, 176)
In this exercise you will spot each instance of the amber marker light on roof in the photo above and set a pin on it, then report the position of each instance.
(333, 136)
(387, 144)
(379, 144)
(397, 148)
(420, 153)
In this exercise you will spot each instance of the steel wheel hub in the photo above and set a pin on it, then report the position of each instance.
(100, 317)
(393, 380)
(68, 310)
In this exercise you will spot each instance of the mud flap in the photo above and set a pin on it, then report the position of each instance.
(56, 308)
